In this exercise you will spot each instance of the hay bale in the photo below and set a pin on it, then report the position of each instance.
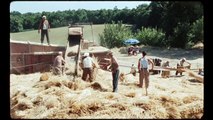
(78, 109)
(145, 106)
(78, 84)
(52, 83)
(94, 74)
(173, 112)
(122, 77)
(44, 77)
(37, 101)
(190, 99)
(165, 74)
(132, 95)
(191, 110)
(72, 53)
(72, 85)
(110, 97)
(86, 107)
(95, 106)
(166, 100)
(96, 86)
(119, 106)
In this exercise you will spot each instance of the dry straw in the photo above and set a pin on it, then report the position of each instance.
(62, 98)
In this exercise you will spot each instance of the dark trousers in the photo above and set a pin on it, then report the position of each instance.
(86, 72)
(44, 32)
(176, 73)
(115, 80)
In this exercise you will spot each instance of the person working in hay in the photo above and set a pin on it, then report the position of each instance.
(165, 73)
(143, 68)
(88, 64)
(114, 67)
(58, 65)
(180, 65)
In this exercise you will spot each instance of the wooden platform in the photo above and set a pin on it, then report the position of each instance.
(29, 57)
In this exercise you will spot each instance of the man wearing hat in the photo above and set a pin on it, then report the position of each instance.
(58, 64)
(88, 64)
(180, 64)
(44, 28)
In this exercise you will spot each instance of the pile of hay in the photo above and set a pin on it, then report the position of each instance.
(64, 98)
(72, 54)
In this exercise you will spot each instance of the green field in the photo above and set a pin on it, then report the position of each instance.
(58, 35)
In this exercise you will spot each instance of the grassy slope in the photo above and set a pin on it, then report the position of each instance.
(58, 35)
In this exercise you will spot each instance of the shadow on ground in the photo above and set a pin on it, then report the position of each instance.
(172, 53)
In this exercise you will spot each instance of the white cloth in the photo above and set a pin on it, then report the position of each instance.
(181, 62)
(44, 26)
(87, 62)
(144, 63)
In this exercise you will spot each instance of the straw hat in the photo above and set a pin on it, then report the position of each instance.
(86, 54)
(44, 17)
(60, 53)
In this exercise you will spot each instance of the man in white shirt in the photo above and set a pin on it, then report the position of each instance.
(143, 68)
(88, 64)
(180, 64)
(44, 28)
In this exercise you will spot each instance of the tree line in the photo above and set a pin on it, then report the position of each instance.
(180, 22)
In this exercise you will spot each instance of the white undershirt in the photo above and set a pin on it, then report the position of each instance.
(144, 63)
(87, 62)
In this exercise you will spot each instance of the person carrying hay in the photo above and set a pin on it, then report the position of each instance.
(115, 71)
(88, 64)
(143, 68)
(165, 73)
(58, 65)
(180, 64)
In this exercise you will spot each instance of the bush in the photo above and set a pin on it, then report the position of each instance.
(16, 24)
(114, 35)
(179, 38)
(196, 33)
(151, 36)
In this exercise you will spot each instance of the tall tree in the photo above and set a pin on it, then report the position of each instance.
(16, 23)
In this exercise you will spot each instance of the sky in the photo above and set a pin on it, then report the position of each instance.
(50, 6)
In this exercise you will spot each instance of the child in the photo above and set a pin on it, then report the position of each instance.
(133, 70)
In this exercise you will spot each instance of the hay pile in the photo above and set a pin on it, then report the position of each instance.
(61, 97)
(68, 98)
